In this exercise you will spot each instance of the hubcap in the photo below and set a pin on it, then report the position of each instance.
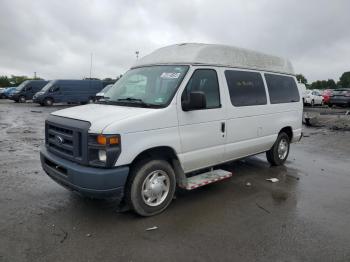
(155, 188)
(283, 148)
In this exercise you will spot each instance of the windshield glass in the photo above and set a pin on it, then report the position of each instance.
(23, 84)
(340, 92)
(104, 90)
(47, 86)
(147, 86)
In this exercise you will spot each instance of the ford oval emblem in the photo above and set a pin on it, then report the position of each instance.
(59, 140)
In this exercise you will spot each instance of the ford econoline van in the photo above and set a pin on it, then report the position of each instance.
(26, 90)
(171, 120)
(70, 91)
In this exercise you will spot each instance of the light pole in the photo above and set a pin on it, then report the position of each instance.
(90, 64)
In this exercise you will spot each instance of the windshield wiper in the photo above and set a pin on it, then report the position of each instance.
(131, 99)
(137, 101)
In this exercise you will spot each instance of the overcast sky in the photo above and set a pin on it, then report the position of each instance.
(55, 38)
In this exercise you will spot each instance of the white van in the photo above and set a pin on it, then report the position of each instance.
(171, 120)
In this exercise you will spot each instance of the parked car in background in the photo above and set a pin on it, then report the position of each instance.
(8, 92)
(326, 95)
(27, 89)
(69, 91)
(313, 97)
(2, 90)
(171, 120)
(340, 97)
(101, 94)
(302, 90)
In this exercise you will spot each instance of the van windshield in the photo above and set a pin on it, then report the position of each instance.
(152, 86)
(47, 86)
(23, 84)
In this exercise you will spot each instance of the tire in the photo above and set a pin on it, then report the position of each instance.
(161, 179)
(92, 100)
(48, 102)
(22, 99)
(330, 105)
(275, 157)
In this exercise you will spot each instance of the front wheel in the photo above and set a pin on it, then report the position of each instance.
(279, 152)
(151, 187)
(48, 102)
(22, 99)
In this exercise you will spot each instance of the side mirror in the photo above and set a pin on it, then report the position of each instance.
(197, 101)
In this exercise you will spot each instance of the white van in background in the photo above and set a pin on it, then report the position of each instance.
(170, 120)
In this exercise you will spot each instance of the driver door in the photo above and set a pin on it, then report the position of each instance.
(202, 132)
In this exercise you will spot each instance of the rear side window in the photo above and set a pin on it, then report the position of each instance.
(246, 88)
(282, 89)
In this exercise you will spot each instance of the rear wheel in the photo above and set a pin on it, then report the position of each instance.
(48, 102)
(279, 152)
(151, 187)
(22, 99)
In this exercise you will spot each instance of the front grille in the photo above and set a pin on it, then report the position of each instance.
(67, 138)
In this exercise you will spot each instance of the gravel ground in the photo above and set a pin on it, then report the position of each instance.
(303, 217)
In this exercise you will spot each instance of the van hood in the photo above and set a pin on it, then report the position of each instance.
(100, 116)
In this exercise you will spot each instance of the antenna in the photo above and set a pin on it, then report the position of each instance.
(90, 64)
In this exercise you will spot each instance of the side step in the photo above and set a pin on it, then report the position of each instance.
(207, 178)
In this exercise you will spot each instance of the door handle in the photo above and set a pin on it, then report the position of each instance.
(223, 127)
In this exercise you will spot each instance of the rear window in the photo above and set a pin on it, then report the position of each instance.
(282, 89)
(341, 92)
(246, 88)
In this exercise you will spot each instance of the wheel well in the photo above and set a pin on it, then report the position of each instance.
(162, 152)
(289, 131)
(166, 153)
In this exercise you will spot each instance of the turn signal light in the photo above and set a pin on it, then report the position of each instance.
(107, 140)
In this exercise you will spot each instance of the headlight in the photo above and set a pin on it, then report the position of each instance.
(102, 156)
(104, 150)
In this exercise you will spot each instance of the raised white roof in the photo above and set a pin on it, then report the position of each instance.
(218, 55)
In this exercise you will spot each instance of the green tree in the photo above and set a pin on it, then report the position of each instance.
(301, 79)
(323, 84)
(17, 80)
(4, 81)
(331, 84)
(345, 80)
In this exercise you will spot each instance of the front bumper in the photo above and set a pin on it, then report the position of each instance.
(14, 96)
(88, 181)
(38, 99)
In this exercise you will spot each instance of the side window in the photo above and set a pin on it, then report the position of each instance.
(54, 88)
(282, 89)
(245, 88)
(206, 81)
